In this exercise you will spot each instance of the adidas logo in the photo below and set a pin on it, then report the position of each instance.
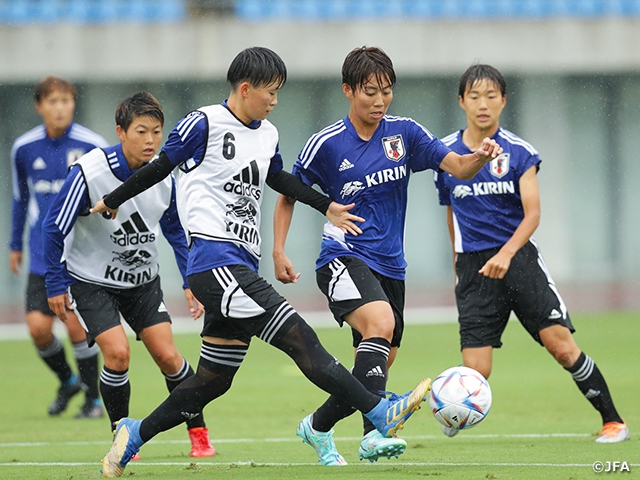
(247, 182)
(375, 372)
(591, 393)
(39, 164)
(555, 315)
(189, 416)
(132, 232)
(162, 308)
(345, 165)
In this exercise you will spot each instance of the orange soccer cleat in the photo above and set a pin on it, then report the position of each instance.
(200, 443)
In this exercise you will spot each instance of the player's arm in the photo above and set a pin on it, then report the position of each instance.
(57, 224)
(19, 207)
(144, 178)
(497, 266)
(282, 215)
(174, 233)
(291, 186)
(464, 167)
(452, 237)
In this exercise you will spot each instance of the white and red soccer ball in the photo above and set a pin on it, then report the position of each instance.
(460, 398)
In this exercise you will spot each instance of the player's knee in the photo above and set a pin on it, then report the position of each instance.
(41, 338)
(565, 353)
(169, 361)
(117, 357)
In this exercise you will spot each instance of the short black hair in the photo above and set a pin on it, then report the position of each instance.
(141, 104)
(49, 84)
(362, 62)
(259, 66)
(478, 72)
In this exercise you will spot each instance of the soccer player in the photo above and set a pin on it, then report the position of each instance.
(39, 160)
(111, 268)
(499, 268)
(366, 158)
(225, 153)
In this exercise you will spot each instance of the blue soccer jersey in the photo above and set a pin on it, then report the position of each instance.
(374, 175)
(488, 208)
(39, 166)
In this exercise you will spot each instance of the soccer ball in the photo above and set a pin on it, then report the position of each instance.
(460, 398)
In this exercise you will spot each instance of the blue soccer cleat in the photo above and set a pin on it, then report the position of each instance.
(374, 446)
(389, 415)
(322, 443)
(126, 443)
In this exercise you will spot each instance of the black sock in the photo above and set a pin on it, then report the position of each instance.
(55, 358)
(216, 369)
(176, 379)
(298, 340)
(87, 360)
(370, 368)
(116, 392)
(591, 383)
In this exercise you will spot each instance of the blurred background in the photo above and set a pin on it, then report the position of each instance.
(573, 80)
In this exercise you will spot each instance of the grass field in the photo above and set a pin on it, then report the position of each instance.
(539, 427)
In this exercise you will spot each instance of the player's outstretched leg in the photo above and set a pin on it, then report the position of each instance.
(391, 413)
(126, 443)
(322, 443)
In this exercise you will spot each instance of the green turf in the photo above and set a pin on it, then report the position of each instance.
(539, 427)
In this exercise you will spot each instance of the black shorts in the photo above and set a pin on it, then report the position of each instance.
(349, 283)
(99, 308)
(36, 300)
(239, 304)
(485, 304)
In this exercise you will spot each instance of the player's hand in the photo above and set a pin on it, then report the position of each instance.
(195, 307)
(339, 215)
(488, 150)
(108, 213)
(59, 305)
(283, 269)
(497, 266)
(15, 260)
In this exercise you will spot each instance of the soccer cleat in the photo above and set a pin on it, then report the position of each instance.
(321, 442)
(448, 431)
(136, 457)
(66, 391)
(126, 444)
(92, 408)
(374, 446)
(389, 415)
(613, 432)
(200, 443)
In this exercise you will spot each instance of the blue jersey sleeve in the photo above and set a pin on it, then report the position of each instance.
(427, 151)
(276, 163)
(173, 232)
(20, 201)
(71, 201)
(312, 174)
(188, 139)
(443, 191)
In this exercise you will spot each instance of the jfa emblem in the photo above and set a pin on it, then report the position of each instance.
(393, 147)
(74, 154)
(500, 165)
